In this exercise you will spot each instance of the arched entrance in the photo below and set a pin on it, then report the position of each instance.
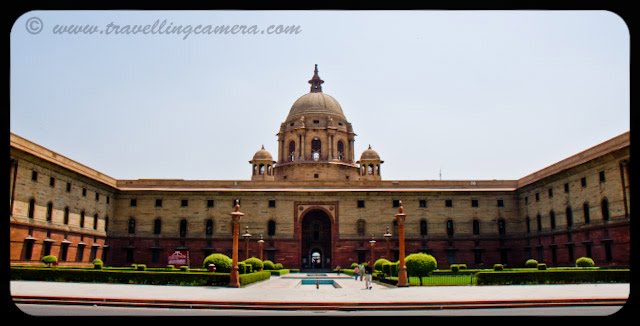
(316, 240)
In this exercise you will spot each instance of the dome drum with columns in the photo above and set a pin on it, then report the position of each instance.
(262, 165)
(316, 142)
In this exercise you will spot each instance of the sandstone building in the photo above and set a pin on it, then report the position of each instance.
(316, 205)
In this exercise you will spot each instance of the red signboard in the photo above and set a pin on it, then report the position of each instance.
(179, 258)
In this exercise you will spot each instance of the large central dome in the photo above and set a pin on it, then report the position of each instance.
(315, 102)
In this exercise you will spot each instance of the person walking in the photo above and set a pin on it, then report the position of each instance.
(356, 272)
(361, 271)
(368, 274)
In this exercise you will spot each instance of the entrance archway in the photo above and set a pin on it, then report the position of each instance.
(316, 240)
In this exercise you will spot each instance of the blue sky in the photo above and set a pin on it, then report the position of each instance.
(475, 94)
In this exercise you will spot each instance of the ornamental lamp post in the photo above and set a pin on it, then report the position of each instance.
(234, 276)
(387, 236)
(402, 270)
(372, 242)
(260, 244)
(246, 237)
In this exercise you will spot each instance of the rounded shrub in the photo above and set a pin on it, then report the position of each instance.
(531, 263)
(242, 268)
(542, 267)
(184, 268)
(455, 268)
(585, 262)
(256, 263)
(498, 267)
(353, 265)
(222, 262)
(378, 264)
(420, 264)
(462, 266)
(269, 265)
(97, 263)
(141, 267)
(278, 266)
(50, 259)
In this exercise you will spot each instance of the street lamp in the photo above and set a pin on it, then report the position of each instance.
(387, 236)
(260, 244)
(234, 276)
(246, 237)
(402, 270)
(373, 244)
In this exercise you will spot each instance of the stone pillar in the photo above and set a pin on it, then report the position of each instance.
(402, 269)
(234, 277)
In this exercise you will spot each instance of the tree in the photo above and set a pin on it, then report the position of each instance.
(420, 265)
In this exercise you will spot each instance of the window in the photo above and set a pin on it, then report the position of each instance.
(95, 221)
(607, 251)
(184, 203)
(34, 176)
(47, 248)
(602, 178)
(133, 203)
(209, 203)
(32, 207)
(537, 196)
(474, 202)
(158, 202)
(476, 227)
(450, 228)
(539, 220)
(316, 176)
(155, 255)
(97, 196)
(129, 258)
(49, 211)
(28, 249)
(585, 210)
(82, 219)
(528, 222)
(68, 186)
(604, 205)
(106, 223)
(316, 121)
(292, 150)
(65, 218)
(526, 200)
(587, 247)
(500, 203)
(157, 226)
(237, 200)
(550, 193)
(583, 182)
(501, 227)
(395, 203)
(566, 188)
(132, 226)
(571, 254)
(340, 150)
(477, 256)
(554, 254)
(84, 192)
(271, 228)
(423, 227)
(423, 203)
(448, 203)
(395, 228)
(360, 203)
(316, 148)
(569, 213)
(107, 199)
(183, 228)
(361, 227)
(52, 181)
(552, 219)
(208, 230)
(272, 203)
(80, 252)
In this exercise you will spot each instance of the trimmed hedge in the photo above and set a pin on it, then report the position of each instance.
(222, 262)
(256, 263)
(50, 259)
(294, 270)
(553, 277)
(531, 263)
(269, 265)
(278, 266)
(377, 266)
(498, 267)
(420, 264)
(132, 277)
(455, 268)
(279, 272)
(184, 268)
(542, 267)
(141, 267)
(585, 262)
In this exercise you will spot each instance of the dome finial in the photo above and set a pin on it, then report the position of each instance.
(262, 146)
(316, 82)
(369, 146)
